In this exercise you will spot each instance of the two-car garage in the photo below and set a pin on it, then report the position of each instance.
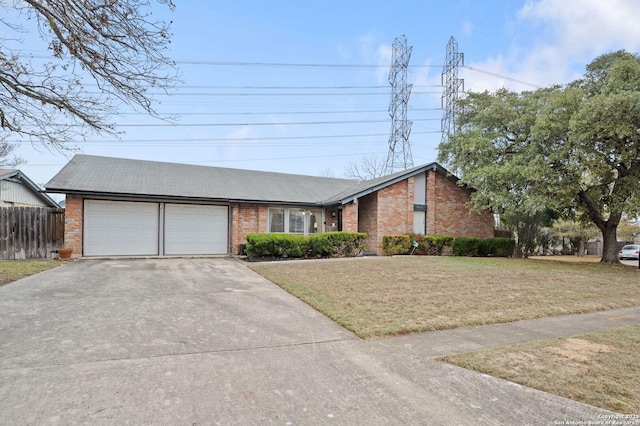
(130, 228)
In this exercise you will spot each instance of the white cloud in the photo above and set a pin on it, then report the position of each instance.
(564, 36)
(467, 28)
(234, 151)
(383, 59)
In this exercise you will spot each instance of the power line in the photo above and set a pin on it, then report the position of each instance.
(281, 87)
(242, 94)
(280, 112)
(290, 65)
(293, 123)
(180, 141)
(504, 77)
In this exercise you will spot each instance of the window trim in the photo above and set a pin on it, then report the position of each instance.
(306, 223)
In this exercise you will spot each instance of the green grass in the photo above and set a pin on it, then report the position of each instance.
(12, 270)
(381, 296)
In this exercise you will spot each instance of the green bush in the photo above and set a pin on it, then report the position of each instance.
(431, 245)
(396, 244)
(466, 246)
(498, 247)
(337, 244)
(276, 245)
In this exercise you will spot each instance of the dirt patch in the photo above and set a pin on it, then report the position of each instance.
(580, 349)
(600, 369)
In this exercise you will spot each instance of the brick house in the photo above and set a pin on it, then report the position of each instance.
(119, 206)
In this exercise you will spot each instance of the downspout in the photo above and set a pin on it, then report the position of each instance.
(230, 222)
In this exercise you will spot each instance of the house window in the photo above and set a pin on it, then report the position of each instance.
(276, 220)
(295, 221)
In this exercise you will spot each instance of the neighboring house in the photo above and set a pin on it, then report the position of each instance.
(17, 190)
(119, 206)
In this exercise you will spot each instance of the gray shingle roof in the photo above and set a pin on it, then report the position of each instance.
(105, 175)
(89, 174)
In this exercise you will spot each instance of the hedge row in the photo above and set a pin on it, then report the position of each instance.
(336, 244)
(434, 245)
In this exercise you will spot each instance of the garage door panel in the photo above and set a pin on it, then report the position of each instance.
(120, 228)
(195, 229)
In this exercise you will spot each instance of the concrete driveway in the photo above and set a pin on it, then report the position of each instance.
(207, 341)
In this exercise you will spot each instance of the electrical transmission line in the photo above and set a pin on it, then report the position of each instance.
(399, 156)
(452, 85)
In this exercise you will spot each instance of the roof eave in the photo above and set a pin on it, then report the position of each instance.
(98, 194)
(431, 166)
(33, 187)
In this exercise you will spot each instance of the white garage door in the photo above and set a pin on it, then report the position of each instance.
(195, 229)
(120, 228)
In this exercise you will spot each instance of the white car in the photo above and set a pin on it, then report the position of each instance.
(631, 251)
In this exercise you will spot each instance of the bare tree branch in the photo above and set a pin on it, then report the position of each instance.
(114, 44)
(369, 167)
(6, 149)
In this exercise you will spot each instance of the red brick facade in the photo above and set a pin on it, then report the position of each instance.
(447, 212)
(73, 224)
(246, 219)
(386, 211)
(389, 211)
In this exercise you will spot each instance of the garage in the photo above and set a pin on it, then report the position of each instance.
(123, 228)
(119, 228)
(195, 229)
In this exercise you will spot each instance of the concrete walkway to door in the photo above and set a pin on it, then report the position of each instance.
(207, 341)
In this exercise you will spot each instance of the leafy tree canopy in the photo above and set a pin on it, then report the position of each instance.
(575, 149)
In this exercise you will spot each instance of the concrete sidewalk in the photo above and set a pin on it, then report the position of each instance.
(448, 342)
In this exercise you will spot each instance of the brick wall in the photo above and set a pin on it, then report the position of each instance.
(395, 211)
(368, 220)
(350, 217)
(447, 212)
(73, 224)
(247, 218)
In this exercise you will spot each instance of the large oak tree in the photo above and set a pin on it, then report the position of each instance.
(575, 149)
(100, 54)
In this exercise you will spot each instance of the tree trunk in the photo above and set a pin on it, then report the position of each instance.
(609, 244)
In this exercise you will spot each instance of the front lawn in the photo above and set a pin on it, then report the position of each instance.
(601, 369)
(377, 296)
(13, 270)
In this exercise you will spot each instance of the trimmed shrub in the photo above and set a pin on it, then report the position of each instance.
(466, 246)
(396, 244)
(276, 245)
(437, 242)
(498, 247)
(337, 244)
(430, 245)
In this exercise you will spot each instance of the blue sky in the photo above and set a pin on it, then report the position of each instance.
(240, 115)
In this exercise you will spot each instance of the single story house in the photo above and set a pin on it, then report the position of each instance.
(117, 206)
(17, 190)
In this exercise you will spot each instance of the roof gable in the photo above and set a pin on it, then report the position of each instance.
(17, 175)
(369, 186)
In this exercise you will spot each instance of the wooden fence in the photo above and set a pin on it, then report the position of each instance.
(30, 232)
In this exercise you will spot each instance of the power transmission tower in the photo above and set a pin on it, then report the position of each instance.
(399, 157)
(452, 86)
